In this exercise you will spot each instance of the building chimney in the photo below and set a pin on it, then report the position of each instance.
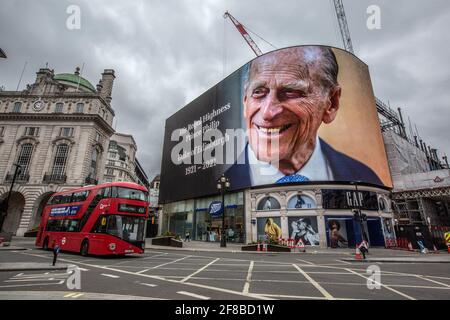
(107, 82)
(42, 74)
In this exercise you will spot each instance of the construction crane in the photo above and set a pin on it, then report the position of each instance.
(240, 27)
(382, 108)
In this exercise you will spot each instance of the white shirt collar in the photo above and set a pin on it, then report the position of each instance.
(316, 169)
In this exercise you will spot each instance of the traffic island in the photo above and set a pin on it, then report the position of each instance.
(429, 259)
(167, 241)
(270, 248)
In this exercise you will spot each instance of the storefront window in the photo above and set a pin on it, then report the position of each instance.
(268, 203)
(301, 202)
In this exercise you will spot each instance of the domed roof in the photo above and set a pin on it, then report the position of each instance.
(74, 79)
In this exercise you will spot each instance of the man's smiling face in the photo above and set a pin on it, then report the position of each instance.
(285, 104)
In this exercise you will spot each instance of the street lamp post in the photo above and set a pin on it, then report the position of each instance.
(6, 204)
(223, 184)
(359, 215)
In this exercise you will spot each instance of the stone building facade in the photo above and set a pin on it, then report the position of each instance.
(58, 130)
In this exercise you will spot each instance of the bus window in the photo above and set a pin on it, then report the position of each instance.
(126, 227)
(132, 194)
(80, 196)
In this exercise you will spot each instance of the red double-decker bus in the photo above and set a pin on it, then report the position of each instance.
(106, 219)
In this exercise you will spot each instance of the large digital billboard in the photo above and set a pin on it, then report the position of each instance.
(301, 114)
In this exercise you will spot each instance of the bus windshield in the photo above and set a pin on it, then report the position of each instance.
(132, 194)
(126, 227)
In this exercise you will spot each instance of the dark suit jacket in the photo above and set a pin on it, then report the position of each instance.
(343, 168)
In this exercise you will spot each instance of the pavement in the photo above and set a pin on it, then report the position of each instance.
(210, 275)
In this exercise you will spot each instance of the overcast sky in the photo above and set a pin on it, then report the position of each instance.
(166, 53)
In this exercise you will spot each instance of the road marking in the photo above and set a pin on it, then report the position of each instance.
(161, 265)
(110, 275)
(31, 285)
(248, 279)
(300, 297)
(83, 269)
(434, 281)
(344, 262)
(199, 270)
(70, 295)
(148, 284)
(156, 255)
(305, 261)
(19, 275)
(77, 295)
(383, 285)
(325, 293)
(163, 279)
(193, 295)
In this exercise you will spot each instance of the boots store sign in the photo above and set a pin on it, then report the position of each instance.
(349, 199)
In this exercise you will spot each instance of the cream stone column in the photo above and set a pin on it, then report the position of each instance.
(321, 219)
(250, 213)
(283, 214)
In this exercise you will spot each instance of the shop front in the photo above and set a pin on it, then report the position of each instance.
(194, 217)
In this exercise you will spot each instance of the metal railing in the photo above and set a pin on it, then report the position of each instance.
(23, 177)
(90, 180)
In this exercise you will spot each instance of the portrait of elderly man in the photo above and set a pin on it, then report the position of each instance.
(288, 95)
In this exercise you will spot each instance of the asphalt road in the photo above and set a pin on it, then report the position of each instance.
(184, 275)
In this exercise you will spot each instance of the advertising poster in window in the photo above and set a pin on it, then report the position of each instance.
(261, 126)
(269, 228)
(337, 232)
(301, 202)
(305, 229)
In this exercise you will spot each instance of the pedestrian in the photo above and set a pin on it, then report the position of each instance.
(187, 237)
(363, 248)
(56, 249)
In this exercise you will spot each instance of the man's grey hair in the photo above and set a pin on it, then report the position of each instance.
(321, 57)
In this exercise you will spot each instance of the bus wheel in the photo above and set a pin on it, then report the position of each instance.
(45, 245)
(84, 248)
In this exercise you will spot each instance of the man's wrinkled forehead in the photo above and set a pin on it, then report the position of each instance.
(300, 62)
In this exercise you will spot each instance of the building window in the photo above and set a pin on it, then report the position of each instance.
(2, 131)
(268, 203)
(17, 107)
(32, 131)
(112, 155)
(66, 132)
(156, 185)
(111, 162)
(93, 168)
(25, 157)
(110, 172)
(59, 107)
(59, 165)
(80, 108)
(113, 145)
(97, 137)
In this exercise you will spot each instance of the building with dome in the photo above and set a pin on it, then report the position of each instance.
(58, 130)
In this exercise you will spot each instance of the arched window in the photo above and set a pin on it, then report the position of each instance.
(24, 158)
(59, 164)
(301, 202)
(268, 203)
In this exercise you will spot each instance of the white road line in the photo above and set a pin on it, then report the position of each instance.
(83, 269)
(344, 262)
(193, 295)
(31, 280)
(77, 295)
(248, 279)
(30, 285)
(305, 261)
(110, 275)
(383, 285)
(161, 265)
(325, 293)
(199, 270)
(70, 295)
(156, 255)
(148, 284)
(434, 281)
(300, 297)
(19, 275)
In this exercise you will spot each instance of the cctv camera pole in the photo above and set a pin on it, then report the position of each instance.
(5, 206)
(222, 185)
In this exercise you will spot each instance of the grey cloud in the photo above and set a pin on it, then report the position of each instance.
(166, 53)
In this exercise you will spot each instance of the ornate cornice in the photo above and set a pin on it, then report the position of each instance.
(27, 139)
(58, 117)
(67, 140)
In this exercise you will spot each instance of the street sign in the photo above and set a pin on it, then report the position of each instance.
(447, 237)
(215, 209)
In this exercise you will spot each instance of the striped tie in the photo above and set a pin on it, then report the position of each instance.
(293, 178)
